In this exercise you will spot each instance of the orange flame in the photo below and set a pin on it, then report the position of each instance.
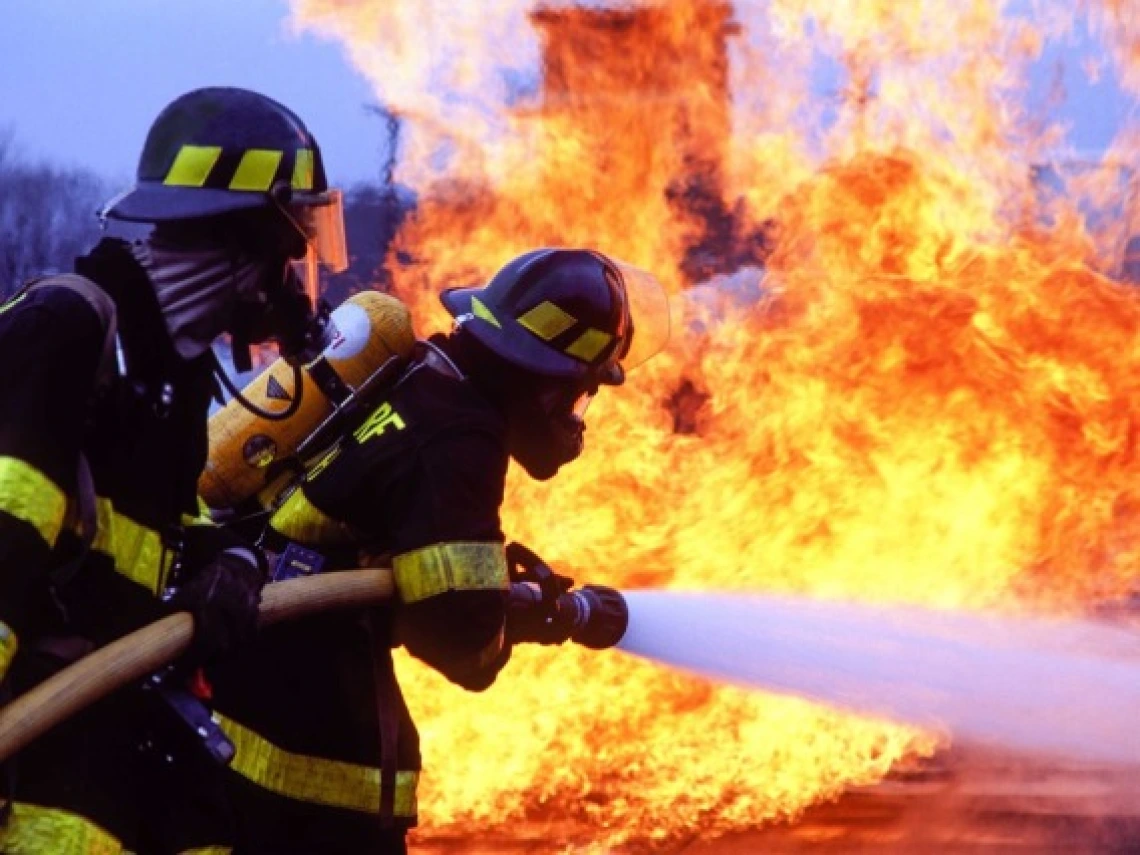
(905, 382)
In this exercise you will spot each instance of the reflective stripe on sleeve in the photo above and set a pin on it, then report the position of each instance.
(446, 567)
(9, 644)
(300, 520)
(314, 779)
(29, 495)
(35, 830)
(137, 551)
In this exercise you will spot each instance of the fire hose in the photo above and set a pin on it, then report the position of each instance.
(595, 617)
(144, 651)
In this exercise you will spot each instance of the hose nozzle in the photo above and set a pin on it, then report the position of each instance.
(603, 616)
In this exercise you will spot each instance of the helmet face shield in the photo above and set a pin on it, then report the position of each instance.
(320, 218)
(648, 308)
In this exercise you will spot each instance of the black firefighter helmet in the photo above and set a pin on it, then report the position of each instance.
(220, 150)
(566, 313)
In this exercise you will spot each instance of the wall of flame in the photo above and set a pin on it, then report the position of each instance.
(929, 394)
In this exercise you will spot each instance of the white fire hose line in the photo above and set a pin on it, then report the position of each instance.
(1058, 688)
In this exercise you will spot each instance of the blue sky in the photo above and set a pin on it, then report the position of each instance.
(81, 80)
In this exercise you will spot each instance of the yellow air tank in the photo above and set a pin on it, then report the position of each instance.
(371, 328)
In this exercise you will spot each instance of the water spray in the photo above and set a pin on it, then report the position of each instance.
(1048, 687)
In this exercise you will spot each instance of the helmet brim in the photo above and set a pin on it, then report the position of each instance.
(156, 203)
(510, 339)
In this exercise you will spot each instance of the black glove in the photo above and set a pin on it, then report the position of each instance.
(223, 594)
(536, 608)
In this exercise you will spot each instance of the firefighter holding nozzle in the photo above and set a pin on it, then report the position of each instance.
(326, 755)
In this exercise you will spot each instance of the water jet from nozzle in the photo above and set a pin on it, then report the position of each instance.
(1059, 688)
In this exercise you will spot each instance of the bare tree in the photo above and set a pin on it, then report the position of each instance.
(47, 215)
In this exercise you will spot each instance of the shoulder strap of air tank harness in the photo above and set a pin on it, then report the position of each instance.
(430, 355)
(103, 306)
(389, 703)
(106, 372)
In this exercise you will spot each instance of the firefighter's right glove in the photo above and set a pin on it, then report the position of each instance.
(223, 595)
(536, 610)
(530, 622)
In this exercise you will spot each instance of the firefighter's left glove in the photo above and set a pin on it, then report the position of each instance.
(223, 595)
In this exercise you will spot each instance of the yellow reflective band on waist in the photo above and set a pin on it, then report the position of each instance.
(446, 567)
(35, 830)
(137, 551)
(314, 779)
(192, 165)
(9, 644)
(256, 169)
(29, 495)
(299, 519)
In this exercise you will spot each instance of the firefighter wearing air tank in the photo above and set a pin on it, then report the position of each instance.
(327, 756)
(104, 394)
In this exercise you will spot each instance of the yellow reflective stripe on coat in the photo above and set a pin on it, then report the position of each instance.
(300, 520)
(314, 779)
(9, 644)
(208, 850)
(138, 551)
(29, 495)
(35, 830)
(446, 567)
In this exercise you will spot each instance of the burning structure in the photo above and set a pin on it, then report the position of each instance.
(934, 401)
(594, 76)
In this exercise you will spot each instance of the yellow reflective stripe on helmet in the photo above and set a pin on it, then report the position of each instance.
(303, 169)
(35, 830)
(9, 644)
(29, 495)
(256, 169)
(481, 311)
(446, 567)
(299, 519)
(192, 165)
(546, 321)
(313, 779)
(137, 551)
(589, 344)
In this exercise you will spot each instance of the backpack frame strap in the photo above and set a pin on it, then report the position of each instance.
(103, 306)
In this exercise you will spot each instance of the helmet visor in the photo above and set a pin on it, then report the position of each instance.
(320, 217)
(648, 312)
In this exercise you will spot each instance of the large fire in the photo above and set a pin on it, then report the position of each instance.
(897, 371)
